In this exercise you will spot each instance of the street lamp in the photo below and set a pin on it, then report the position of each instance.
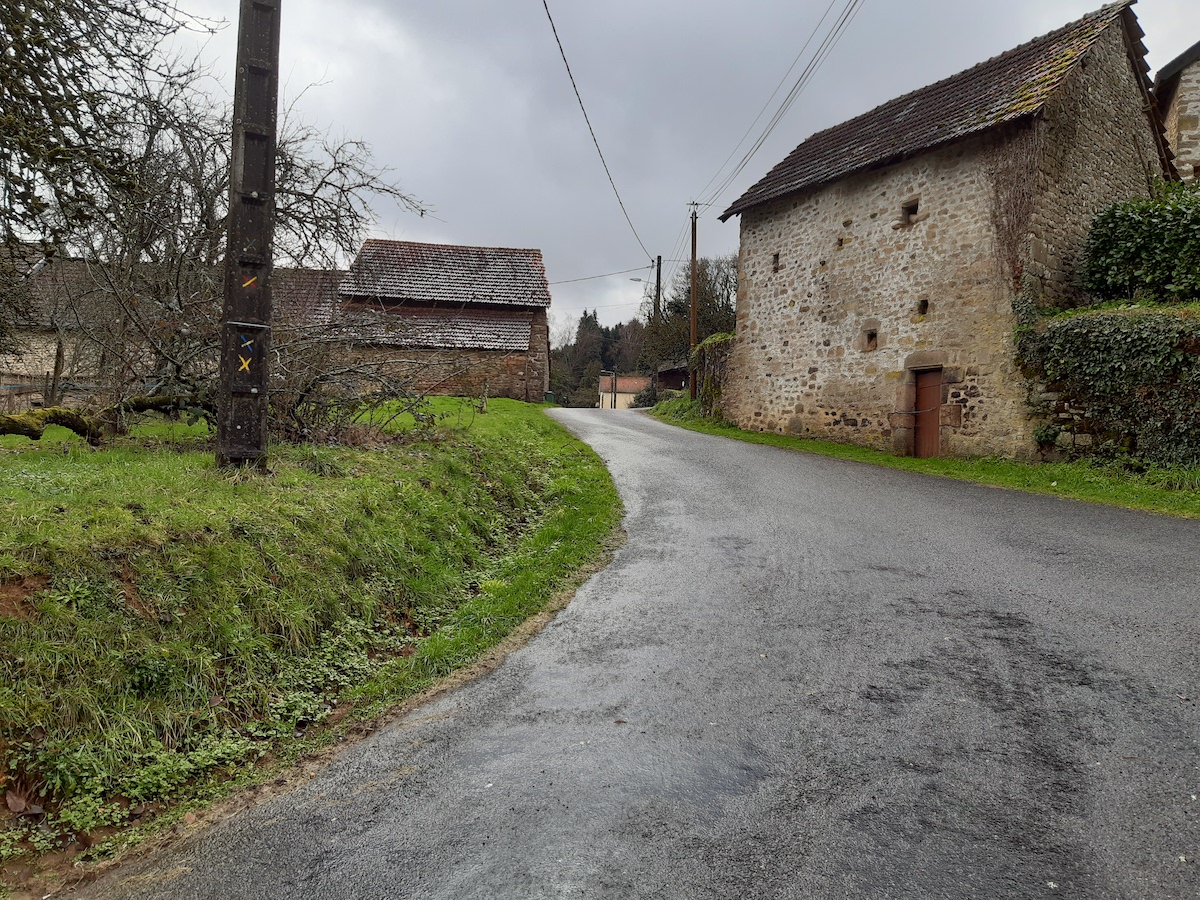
(604, 372)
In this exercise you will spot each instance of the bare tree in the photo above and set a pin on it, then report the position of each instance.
(141, 290)
(65, 66)
(669, 339)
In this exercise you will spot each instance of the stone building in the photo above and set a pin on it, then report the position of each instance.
(885, 263)
(471, 319)
(1177, 89)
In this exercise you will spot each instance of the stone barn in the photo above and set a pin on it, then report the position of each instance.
(885, 263)
(1177, 90)
(469, 320)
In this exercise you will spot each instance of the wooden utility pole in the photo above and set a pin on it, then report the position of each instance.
(246, 319)
(658, 291)
(692, 378)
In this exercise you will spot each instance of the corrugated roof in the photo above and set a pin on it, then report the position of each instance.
(438, 329)
(403, 271)
(1008, 87)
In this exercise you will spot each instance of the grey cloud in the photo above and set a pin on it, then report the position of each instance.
(501, 149)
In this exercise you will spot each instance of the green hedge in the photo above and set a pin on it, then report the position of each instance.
(1147, 248)
(1134, 372)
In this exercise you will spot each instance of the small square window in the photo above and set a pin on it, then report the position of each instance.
(871, 340)
(908, 212)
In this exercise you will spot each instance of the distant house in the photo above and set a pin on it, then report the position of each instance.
(472, 319)
(1177, 89)
(62, 337)
(674, 376)
(53, 362)
(619, 391)
(884, 263)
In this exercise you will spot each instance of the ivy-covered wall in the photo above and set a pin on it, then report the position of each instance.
(710, 361)
(1123, 380)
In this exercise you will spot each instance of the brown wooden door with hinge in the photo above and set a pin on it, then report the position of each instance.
(927, 441)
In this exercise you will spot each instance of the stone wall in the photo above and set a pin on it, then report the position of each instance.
(845, 293)
(519, 375)
(465, 373)
(1183, 122)
(538, 366)
(1096, 147)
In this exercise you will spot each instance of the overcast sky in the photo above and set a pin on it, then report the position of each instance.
(468, 102)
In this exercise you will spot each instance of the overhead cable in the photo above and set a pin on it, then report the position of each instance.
(774, 94)
(826, 47)
(595, 277)
(587, 119)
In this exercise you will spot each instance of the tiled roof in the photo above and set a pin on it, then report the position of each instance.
(305, 296)
(52, 285)
(1008, 87)
(441, 329)
(403, 271)
(1177, 65)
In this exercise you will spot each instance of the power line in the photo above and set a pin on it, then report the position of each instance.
(774, 93)
(822, 53)
(587, 119)
(826, 47)
(595, 277)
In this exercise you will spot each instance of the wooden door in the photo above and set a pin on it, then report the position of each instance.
(927, 441)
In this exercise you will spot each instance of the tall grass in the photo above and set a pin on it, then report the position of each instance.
(195, 620)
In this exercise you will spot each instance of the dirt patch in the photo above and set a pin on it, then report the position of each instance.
(14, 595)
(133, 866)
(133, 599)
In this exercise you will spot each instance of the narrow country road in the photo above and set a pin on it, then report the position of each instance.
(801, 678)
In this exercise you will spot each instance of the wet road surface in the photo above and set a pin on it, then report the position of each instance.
(801, 678)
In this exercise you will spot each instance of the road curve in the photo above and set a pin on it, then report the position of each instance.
(800, 678)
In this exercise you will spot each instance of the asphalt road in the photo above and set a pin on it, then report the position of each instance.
(800, 678)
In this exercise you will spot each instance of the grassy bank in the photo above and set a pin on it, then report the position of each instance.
(1173, 492)
(165, 626)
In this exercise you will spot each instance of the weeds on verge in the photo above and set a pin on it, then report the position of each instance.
(164, 626)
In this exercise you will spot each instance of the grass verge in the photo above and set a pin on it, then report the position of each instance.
(1174, 492)
(170, 632)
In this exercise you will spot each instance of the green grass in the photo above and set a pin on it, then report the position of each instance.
(1173, 492)
(181, 623)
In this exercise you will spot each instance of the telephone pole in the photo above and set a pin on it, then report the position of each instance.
(692, 370)
(246, 318)
(658, 292)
